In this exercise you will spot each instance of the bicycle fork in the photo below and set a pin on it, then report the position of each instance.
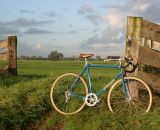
(126, 90)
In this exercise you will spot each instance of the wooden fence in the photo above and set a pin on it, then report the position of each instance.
(8, 53)
(143, 43)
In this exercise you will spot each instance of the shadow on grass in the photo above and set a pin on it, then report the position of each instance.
(8, 80)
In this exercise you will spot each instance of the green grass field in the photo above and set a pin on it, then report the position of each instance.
(25, 103)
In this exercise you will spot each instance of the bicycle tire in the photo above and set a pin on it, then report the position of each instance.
(136, 99)
(58, 86)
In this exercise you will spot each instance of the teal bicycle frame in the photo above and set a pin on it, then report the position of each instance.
(70, 92)
(86, 69)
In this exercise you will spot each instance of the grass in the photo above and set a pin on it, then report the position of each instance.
(25, 103)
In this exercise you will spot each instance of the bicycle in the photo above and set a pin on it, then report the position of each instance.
(70, 92)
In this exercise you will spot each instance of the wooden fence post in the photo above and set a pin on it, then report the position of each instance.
(133, 38)
(12, 55)
(133, 42)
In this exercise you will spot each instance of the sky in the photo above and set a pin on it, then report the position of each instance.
(72, 26)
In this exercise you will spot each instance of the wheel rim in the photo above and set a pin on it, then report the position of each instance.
(68, 104)
(138, 100)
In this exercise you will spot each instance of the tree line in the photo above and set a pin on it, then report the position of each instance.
(53, 55)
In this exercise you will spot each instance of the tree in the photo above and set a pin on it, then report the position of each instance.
(55, 55)
(98, 58)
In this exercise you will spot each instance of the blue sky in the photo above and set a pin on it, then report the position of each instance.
(72, 26)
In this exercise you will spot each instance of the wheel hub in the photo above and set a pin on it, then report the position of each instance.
(67, 95)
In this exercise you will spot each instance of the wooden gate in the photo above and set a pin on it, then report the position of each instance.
(8, 53)
(143, 43)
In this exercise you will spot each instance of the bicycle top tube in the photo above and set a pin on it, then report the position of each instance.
(102, 66)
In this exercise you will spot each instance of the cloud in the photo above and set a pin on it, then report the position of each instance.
(108, 40)
(72, 32)
(70, 25)
(95, 19)
(23, 11)
(39, 46)
(24, 49)
(139, 5)
(114, 20)
(51, 14)
(8, 31)
(36, 31)
(152, 11)
(23, 22)
(38, 49)
(112, 39)
(149, 9)
(89, 13)
(99, 46)
(17, 26)
(96, 30)
(86, 9)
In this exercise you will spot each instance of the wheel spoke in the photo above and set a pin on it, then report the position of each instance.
(61, 97)
(138, 92)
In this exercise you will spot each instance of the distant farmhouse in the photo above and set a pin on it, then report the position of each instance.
(112, 58)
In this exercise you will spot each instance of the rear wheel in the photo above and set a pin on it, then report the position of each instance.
(67, 93)
(138, 98)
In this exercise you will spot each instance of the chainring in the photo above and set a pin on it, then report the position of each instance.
(91, 99)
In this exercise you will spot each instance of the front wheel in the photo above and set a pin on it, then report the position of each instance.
(137, 96)
(67, 93)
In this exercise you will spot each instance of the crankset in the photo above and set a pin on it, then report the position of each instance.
(91, 99)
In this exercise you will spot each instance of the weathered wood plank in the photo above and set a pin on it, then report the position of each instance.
(156, 46)
(3, 44)
(148, 56)
(152, 80)
(3, 56)
(150, 30)
(150, 44)
(3, 50)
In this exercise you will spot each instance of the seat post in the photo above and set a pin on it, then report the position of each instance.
(85, 61)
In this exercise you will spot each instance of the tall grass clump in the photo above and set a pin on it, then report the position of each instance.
(24, 103)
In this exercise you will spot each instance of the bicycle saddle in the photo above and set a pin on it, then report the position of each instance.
(86, 55)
